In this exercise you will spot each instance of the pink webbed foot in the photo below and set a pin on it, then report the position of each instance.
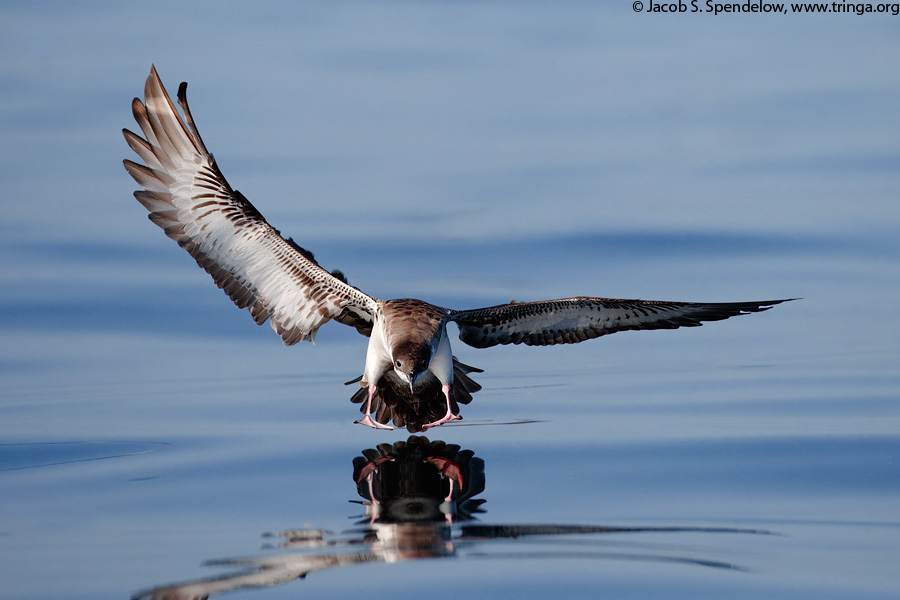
(368, 420)
(447, 417)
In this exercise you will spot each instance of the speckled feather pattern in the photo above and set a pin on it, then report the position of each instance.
(189, 198)
(573, 320)
(278, 281)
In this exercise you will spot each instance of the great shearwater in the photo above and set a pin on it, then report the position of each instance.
(410, 376)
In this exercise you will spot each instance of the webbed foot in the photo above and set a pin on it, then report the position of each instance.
(445, 419)
(368, 420)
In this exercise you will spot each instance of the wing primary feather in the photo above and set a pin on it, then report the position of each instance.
(189, 119)
(574, 320)
(187, 196)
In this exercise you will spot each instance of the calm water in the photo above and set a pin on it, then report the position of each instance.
(154, 441)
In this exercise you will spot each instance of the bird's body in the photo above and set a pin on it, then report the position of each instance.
(409, 338)
(411, 376)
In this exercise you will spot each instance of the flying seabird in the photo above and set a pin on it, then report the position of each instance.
(411, 376)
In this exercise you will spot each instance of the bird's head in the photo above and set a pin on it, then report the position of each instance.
(411, 361)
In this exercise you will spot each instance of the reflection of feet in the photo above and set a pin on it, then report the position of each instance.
(447, 469)
(367, 420)
(445, 419)
(367, 471)
(448, 508)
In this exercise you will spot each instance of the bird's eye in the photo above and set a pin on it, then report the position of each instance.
(399, 364)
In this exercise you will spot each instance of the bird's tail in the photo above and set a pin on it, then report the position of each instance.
(395, 402)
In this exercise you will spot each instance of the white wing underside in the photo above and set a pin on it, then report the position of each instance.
(277, 280)
(573, 320)
(189, 198)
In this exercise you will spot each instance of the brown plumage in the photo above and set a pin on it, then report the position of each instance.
(410, 376)
(393, 400)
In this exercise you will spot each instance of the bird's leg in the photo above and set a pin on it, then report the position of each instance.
(450, 493)
(368, 420)
(447, 417)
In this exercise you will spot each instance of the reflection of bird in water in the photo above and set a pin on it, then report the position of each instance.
(419, 480)
(410, 374)
(420, 500)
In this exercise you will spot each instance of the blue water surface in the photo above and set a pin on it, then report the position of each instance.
(155, 443)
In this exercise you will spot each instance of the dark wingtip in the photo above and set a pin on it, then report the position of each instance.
(770, 303)
(767, 304)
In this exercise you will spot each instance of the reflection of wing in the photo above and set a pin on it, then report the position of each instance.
(574, 320)
(189, 198)
(414, 540)
(257, 572)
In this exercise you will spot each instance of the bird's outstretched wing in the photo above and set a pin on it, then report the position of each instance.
(574, 320)
(188, 197)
